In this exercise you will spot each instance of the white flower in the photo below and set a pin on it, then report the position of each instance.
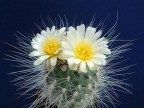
(84, 49)
(47, 46)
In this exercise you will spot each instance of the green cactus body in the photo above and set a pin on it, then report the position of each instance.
(71, 86)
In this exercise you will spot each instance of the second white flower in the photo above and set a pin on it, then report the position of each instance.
(85, 49)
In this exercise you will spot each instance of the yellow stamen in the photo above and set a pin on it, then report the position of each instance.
(84, 50)
(51, 45)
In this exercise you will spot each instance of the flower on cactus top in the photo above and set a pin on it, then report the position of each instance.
(47, 46)
(84, 49)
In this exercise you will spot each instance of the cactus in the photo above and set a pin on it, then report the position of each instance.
(70, 74)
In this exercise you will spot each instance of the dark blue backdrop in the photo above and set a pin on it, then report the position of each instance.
(22, 14)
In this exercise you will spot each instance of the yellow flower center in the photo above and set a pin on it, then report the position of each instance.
(51, 45)
(84, 50)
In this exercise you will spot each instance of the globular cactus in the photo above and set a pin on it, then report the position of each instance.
(70, 67)
(73, 88)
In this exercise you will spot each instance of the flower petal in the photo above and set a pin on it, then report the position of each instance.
(65, 45)
(53, 61)
(99, 61)
(82, 67)
(71, 32)
(53, 29)
(61, 30)
(97, 34)
(104, 51)
(37, 47)
(35, 53)
(48, 30)
(90, 31)
(74, 67)
(71, 60)
(68, 52)
(40, 60)
(99, 56)
(81, 30)
(90, 65)
(43, 32)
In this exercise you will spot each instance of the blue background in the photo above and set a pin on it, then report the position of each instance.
(20, 15)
